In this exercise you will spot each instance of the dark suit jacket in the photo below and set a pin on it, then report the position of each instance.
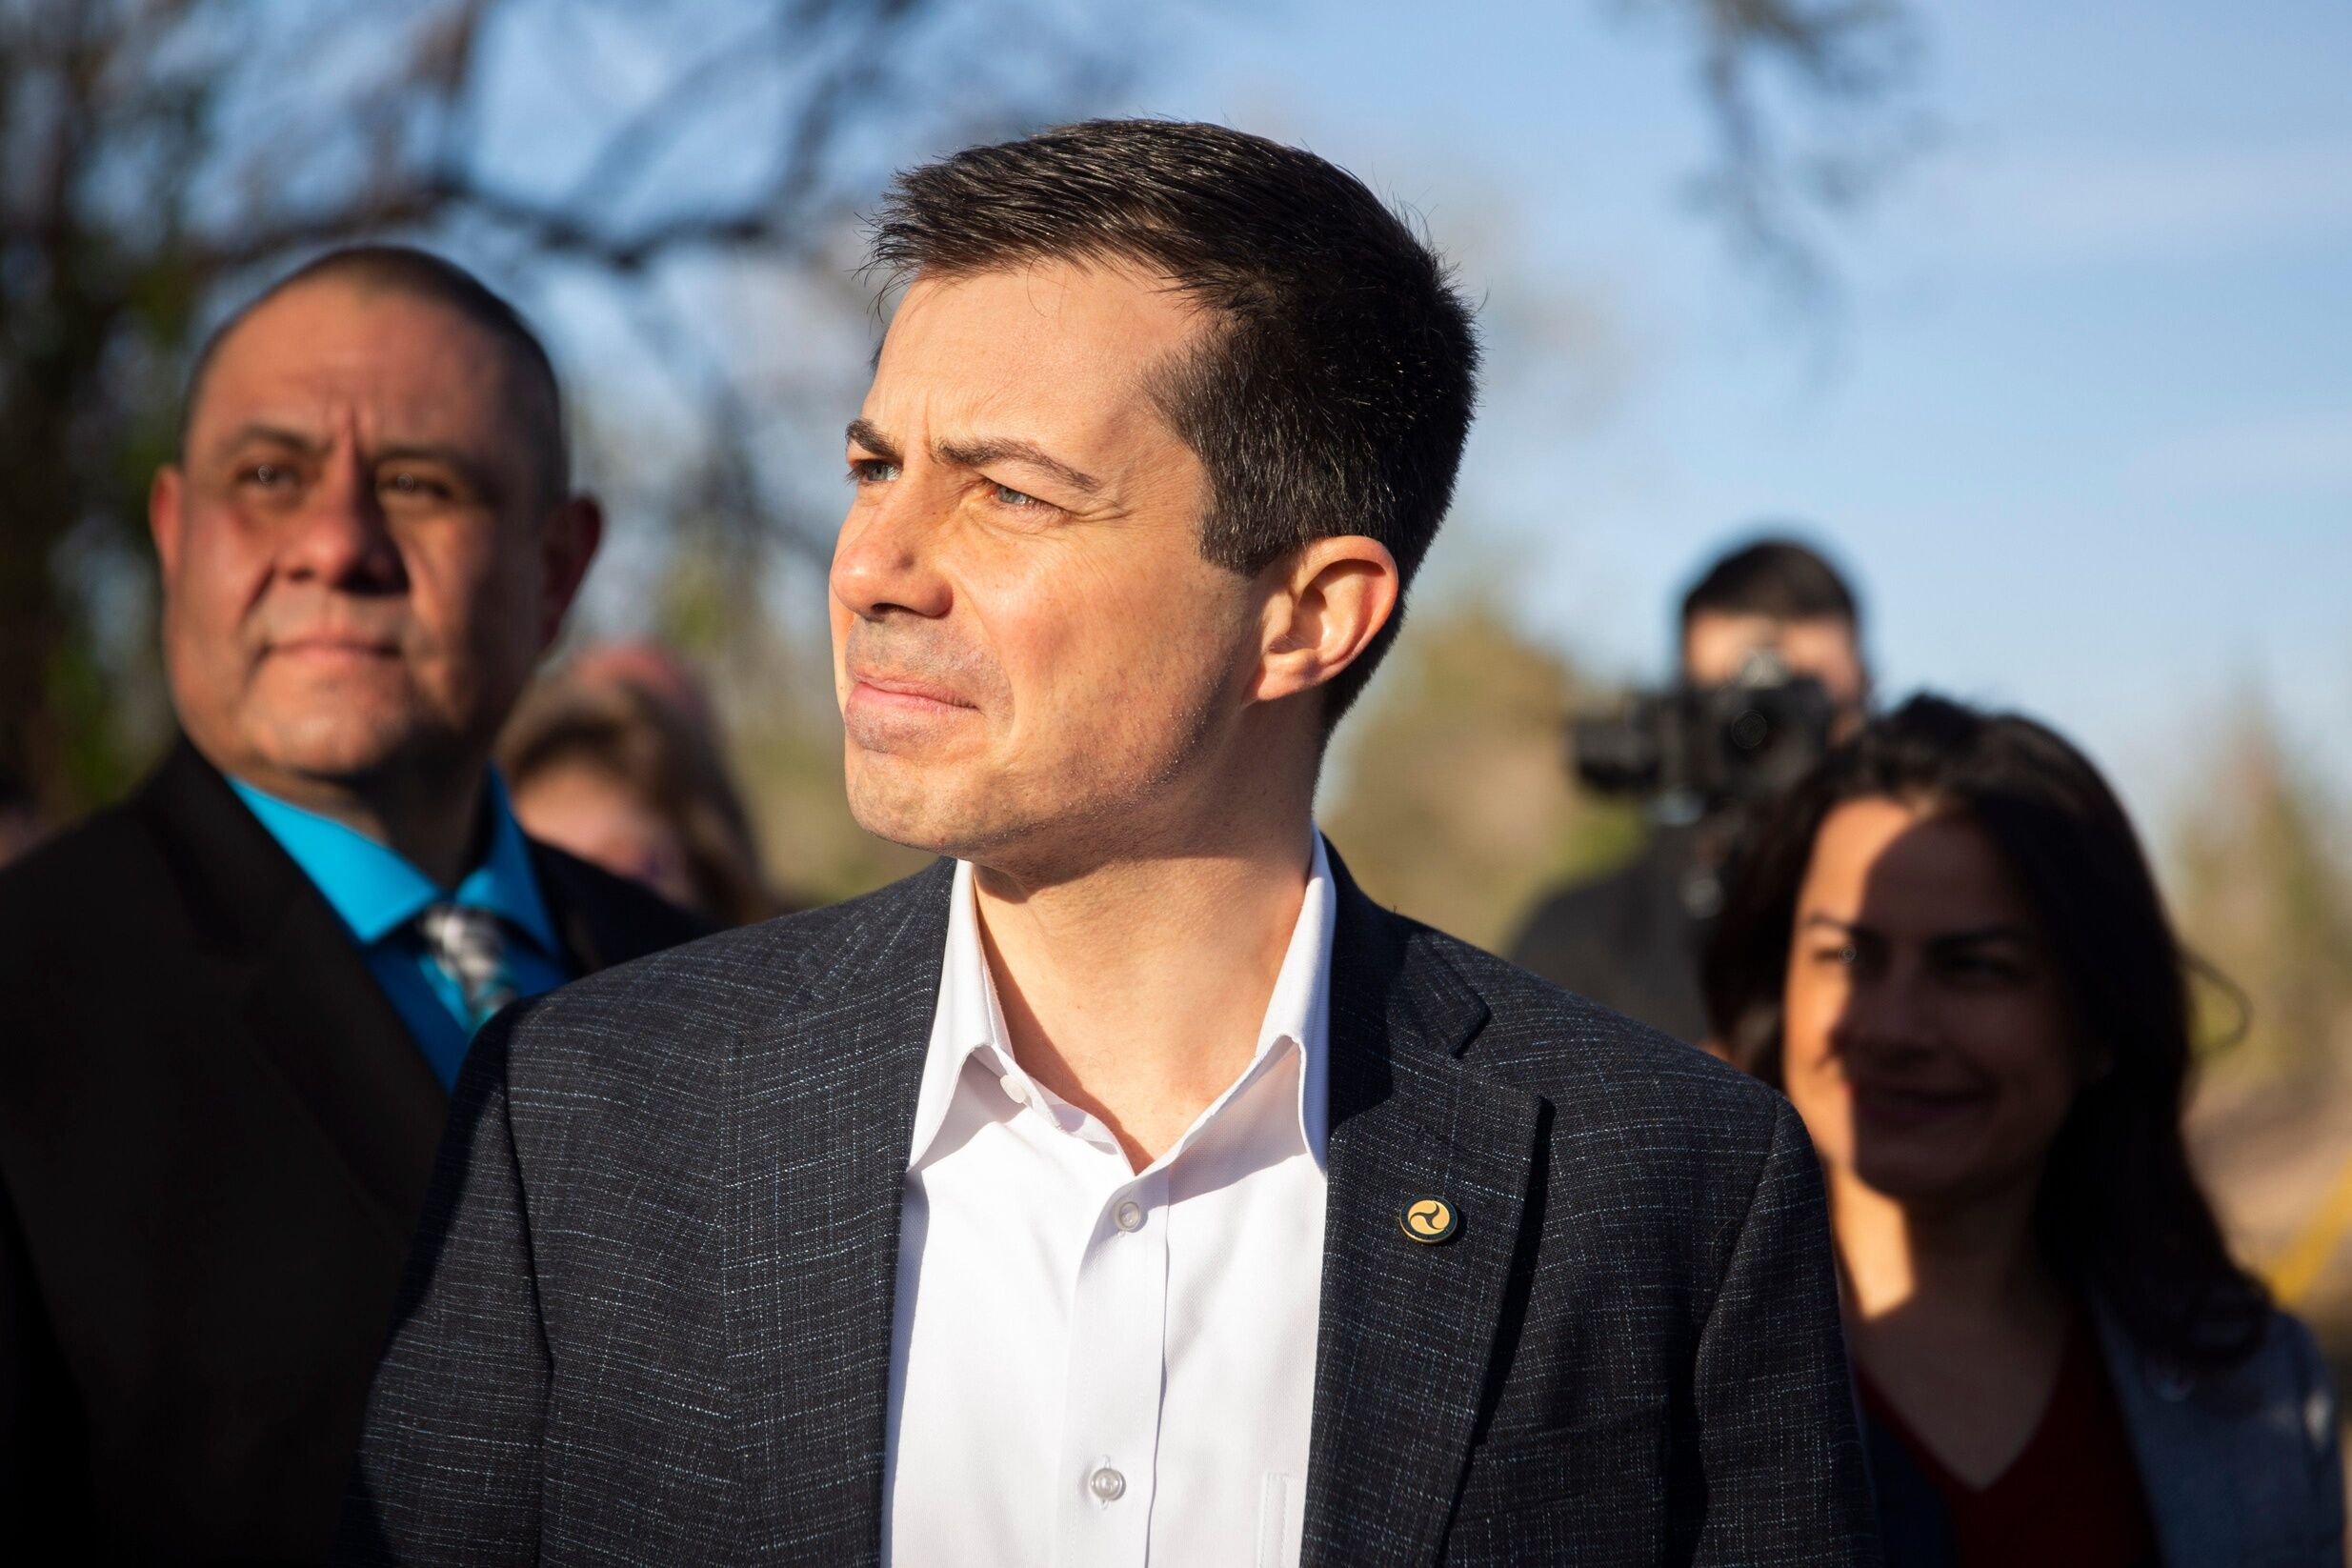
(215, 1134)
(648, 1316)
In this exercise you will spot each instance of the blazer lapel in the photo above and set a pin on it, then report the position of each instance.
(1407, 1336)
(822, 1117)
(303, 992)
(2203, 1488)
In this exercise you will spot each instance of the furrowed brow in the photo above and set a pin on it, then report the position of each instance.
(980, 453)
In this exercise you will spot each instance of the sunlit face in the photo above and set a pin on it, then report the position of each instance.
(1716, 644)
(1031, 651)
(1928, 1044)
(359, 567)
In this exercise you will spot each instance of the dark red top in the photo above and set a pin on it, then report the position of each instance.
(2071, 1497)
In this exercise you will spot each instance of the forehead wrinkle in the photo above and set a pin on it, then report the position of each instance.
(971, 427)
(339, 377)
(376, 435)
(932, 389)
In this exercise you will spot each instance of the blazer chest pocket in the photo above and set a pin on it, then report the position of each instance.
(1586, 1494)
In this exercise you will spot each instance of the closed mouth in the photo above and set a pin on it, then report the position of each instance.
(892, 688)
(354, 647)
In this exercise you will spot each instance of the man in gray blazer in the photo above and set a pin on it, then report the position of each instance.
(1128, 1188)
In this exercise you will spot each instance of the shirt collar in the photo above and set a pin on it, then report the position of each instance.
(1300, 1010)
(376, 890)
(969, 1019)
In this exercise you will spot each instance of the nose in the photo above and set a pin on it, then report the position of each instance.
(339, 539)
(886, 559)
(1886, 1015)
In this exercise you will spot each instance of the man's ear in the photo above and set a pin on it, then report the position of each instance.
(568, 542)
(1327, 601)
(163, 517)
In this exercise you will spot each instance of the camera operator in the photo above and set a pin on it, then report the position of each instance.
(1771, 672)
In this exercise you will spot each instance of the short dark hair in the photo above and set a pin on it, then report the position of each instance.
(1778, 577)
(406, 270)
(2119, 1208)
(1335, 397)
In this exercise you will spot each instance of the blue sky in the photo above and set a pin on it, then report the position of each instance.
(2081, 422)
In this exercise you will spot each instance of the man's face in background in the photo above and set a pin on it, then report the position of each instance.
(361, 561)
(1716, 644)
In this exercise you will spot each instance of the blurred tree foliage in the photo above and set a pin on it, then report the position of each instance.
(624, 162)
(1813, 114)
(1450, 797)
(2263, 891)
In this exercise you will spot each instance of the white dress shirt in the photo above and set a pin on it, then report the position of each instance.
(1089, 1365)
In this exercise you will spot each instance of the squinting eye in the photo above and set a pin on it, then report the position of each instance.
(266, 475)
(872, 471)
(414, 486)
(1007, 495)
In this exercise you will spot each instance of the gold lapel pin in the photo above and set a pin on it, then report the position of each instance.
(1429, 1219)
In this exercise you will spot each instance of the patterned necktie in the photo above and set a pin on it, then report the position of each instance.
(470, 949)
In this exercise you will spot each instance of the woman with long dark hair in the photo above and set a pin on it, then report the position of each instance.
(1947, 950)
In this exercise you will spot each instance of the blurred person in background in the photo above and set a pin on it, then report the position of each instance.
(1768, 615)
(658, 671)
(230, 1008)
(607, 766)
(1947, 949)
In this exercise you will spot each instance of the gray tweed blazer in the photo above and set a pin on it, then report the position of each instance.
(648, 1320)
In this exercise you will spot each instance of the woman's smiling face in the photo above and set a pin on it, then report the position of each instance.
(1928, 1041)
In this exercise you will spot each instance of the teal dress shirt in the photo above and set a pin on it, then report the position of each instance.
(379, 893)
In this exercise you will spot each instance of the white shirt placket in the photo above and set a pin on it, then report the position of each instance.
(1112, 1401)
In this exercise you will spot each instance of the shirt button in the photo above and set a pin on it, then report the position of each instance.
(1107, 1484)
(1130, 1215)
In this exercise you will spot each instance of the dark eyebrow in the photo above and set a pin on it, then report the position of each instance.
(277, 434)
(2004, 933)
(863, 432)
(1984, 933)
(1008, 449)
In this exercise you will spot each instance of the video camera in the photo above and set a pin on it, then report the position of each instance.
(1699, 749)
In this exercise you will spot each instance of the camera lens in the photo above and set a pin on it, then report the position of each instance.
(1750, 730)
